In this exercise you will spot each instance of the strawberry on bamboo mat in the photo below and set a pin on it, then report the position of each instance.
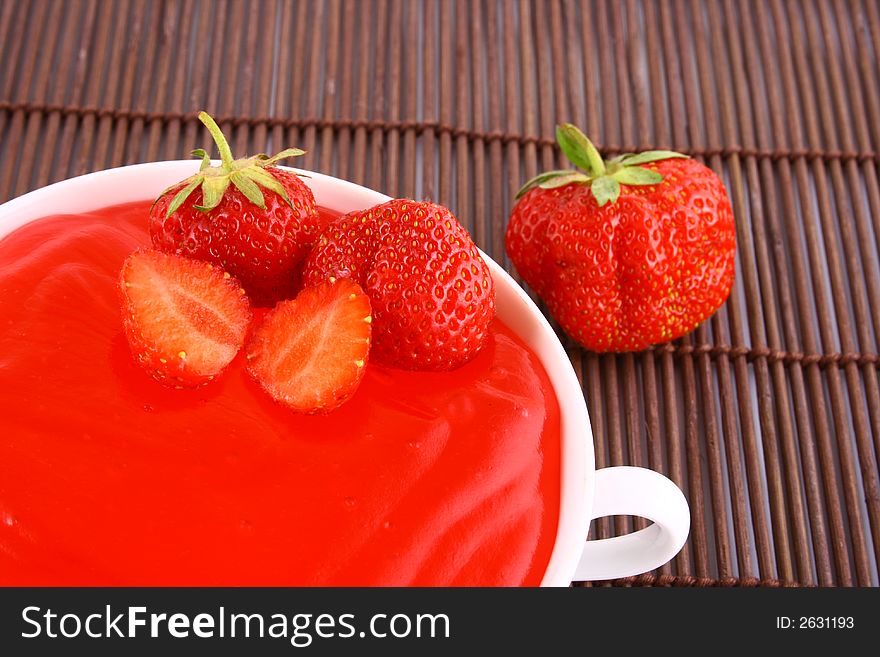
(627, 253)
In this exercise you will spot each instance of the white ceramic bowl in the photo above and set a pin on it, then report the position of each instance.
(586, 492)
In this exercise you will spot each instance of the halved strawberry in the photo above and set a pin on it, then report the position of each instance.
(185, 319)
(310, 353)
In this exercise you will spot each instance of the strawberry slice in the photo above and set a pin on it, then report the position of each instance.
(185, 319)
(309, 353)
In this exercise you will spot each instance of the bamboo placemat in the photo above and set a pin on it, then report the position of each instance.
(768, 415)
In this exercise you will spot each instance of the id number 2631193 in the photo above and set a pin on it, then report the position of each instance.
(815, 623)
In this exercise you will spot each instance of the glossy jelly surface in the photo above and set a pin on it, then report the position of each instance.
(107, 478)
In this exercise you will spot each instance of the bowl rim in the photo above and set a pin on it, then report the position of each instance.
(145, 181)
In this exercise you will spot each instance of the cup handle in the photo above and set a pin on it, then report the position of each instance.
(630, 491)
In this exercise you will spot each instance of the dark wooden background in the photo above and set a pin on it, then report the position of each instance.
(768, 416)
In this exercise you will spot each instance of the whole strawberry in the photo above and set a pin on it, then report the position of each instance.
(634, 251)
(255, 220)
(431, 293)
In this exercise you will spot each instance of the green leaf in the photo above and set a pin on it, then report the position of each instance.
(605, 189)
(206, 159)
(267, 181)
(249, 188)
(213, 189)
(287, 152)
(579, 150)
(650, 156)
(562, 181)
(181, 196)
(541, 178)
(637, 176)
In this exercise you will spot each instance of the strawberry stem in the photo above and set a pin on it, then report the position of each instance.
(579, 149)
(247, 174)
(603, 178)
(219, 138)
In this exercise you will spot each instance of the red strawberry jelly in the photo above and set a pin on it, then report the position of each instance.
(107, 478)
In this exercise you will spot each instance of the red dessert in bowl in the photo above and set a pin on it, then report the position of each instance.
(478, 476)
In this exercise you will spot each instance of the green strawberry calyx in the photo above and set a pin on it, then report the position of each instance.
(247, 174)
(603, 177)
